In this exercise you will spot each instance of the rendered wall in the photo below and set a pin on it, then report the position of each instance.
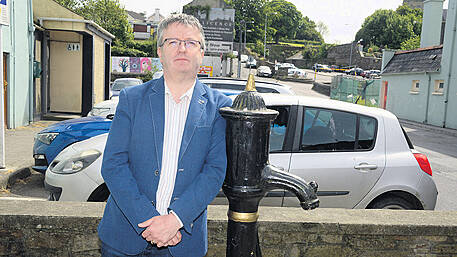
(99, 70)
(41, 228)
(15, 41)
(449, 64)
(401, 101)
(65, 72)
(50, 8)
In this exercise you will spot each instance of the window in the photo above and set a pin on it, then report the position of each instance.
(331, 130)
(415, 86)
(439, 86)
(279, 128)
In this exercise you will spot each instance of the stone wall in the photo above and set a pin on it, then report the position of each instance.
(340, 55)
(40, 228)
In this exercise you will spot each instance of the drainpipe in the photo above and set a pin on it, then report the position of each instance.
(428, 96)
(450, 71)
(31, 37)
(12, 90)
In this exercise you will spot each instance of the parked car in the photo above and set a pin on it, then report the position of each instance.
(375, 73)
(322, 68)
(52, 140)
(264, 71)
(244, 58)
(104, 108)
(230, 86)
(295, 72)
(355, 71)
(251, 62)
(287, 65)
(121, 83)
(360, 157)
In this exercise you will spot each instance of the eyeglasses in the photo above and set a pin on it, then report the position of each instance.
(188, 44)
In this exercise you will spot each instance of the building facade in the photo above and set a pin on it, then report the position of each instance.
(74, 56)
(421, 84)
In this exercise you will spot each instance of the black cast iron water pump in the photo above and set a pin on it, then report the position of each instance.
(249, 175)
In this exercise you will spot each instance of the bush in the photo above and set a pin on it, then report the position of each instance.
(130, 52)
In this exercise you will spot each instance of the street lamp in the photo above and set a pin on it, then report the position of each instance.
(241, 44)
(265, 42)
(245, 32)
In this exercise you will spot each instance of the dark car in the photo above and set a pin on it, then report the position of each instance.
(355, 71)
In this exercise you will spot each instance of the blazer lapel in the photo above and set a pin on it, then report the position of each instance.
(196, 108)
(157, 108)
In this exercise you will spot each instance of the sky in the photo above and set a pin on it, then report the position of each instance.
(343, 18)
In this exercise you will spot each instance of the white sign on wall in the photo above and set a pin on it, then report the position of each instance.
(4, 13)
(73, 47)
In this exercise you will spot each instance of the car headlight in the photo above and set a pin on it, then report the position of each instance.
(99, 111)
(75, 163)
(46, 138)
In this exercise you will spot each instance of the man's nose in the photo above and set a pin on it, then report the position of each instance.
(182, 46)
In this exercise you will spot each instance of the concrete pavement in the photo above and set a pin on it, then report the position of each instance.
(18, 152)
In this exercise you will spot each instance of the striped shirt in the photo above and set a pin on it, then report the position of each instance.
(175, 120)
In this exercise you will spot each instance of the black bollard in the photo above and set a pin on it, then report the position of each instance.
(249, 175)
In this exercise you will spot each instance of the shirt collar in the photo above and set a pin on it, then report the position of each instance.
(187, 94)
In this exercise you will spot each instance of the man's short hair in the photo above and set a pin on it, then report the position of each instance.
(180, 18)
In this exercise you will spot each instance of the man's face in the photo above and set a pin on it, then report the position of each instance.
(179, 58)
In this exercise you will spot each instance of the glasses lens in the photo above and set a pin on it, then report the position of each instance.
(191, 43)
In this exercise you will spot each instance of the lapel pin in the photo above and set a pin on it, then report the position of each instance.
(201, 101)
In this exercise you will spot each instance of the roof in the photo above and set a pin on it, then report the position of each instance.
(419, 60)
(136, 16)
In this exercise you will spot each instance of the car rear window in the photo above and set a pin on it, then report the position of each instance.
(119, 85)
(410, 144)
(332, 130)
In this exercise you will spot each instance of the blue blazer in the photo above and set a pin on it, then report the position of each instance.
(132, 162)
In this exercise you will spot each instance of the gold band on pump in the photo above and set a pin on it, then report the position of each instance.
(243, 216)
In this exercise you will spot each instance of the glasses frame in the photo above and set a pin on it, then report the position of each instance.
(185, 41)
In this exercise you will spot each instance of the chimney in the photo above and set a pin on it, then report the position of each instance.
(431, 23)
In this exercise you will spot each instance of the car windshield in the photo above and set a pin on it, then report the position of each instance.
(119, 85)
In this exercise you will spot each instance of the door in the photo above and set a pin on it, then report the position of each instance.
(65, 77)
(343, 152)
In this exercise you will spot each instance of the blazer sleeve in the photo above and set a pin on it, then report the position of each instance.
(116, 172)
(199, 194)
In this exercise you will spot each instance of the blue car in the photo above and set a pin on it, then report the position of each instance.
(50, 141)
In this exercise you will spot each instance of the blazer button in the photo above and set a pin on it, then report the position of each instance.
(180, 170)
(156, 173)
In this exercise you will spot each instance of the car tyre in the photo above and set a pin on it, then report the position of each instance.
(393, 203)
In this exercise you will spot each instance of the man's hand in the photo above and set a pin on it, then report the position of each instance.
(161, 230)
(175, 240)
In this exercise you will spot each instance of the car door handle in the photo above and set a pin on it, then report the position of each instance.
(365, 166)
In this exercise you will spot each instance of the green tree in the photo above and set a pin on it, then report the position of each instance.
(306, 30)
(388, 28)
(252, 13)
(285, 20)
(411, 43)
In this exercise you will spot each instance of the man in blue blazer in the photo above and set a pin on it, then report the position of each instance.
(165, 157)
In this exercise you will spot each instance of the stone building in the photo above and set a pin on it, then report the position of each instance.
(342, 55)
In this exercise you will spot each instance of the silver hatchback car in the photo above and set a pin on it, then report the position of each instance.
(360, 157)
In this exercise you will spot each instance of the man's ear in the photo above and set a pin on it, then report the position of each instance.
(159, 52)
